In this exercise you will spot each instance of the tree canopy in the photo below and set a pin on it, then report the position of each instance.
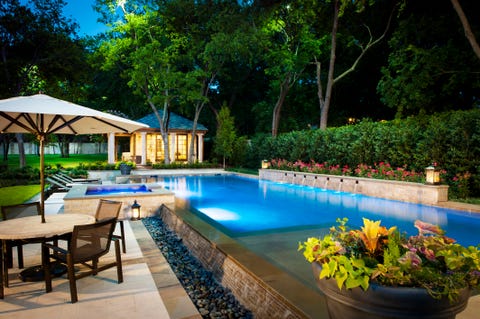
(277, 65)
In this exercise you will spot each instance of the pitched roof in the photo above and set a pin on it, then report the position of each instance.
(177, 122)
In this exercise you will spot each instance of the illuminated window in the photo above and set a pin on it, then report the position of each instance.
(181, 154)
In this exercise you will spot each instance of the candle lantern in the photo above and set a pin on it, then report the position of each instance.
(135, 211)
(432, 175)
(265, 164)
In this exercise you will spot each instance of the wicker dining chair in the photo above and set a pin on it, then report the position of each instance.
(109, 208)
(88, 243)
(11, 212)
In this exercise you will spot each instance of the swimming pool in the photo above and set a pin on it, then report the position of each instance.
(243, 207)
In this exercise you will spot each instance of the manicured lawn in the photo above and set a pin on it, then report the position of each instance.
(14, 195)
(54, 160)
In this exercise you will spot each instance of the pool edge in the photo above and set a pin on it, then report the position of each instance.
(260, 286)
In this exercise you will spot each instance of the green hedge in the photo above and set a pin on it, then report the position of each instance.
(19, 176)
(451, 139)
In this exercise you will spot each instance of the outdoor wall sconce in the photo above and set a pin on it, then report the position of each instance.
(135, 211)
(432, 175)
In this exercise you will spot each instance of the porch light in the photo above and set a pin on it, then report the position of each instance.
(432, 175)
(135, 211)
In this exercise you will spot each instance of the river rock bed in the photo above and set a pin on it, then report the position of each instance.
(211, 298)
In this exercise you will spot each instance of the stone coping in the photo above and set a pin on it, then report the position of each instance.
(75, 201)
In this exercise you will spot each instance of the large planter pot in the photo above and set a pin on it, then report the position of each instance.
(381, 302)
(125, 169)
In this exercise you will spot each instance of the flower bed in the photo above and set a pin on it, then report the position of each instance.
(381, 170)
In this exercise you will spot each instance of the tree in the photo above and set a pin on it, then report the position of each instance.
(430, 68)
(216, 34)
(148, 56)
(39, 51)
(289, 45)
(226, 135)
(339, 8)
(466, 27)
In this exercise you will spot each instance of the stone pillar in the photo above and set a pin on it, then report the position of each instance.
(111, 148)
(144, 148)
(200, 147)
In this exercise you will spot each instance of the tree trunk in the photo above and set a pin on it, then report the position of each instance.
(166, 145)
(163, 122)
(191, 149)
(284, 88)
(198, 109)
(325, 103)
(466, 27)
(321, 101)
(331, 69)
(64, 146)
(5, 140)
(21, 150)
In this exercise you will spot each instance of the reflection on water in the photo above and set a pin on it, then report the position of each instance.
(244, 205)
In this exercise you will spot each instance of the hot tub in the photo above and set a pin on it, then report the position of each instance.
(117, 189)
(83, 199)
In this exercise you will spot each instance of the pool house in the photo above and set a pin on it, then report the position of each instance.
(146, 145)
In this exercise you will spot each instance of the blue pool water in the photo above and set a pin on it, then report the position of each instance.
(240, 206)
(116, 189)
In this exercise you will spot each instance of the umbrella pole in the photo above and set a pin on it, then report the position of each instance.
(41, 139)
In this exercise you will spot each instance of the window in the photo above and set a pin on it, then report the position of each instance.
(182, 142)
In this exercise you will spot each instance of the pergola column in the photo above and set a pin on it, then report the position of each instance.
(200, 147)
(144, 148)
(111, 148)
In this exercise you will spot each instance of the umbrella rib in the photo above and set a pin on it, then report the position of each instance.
(77, 118)
(65, 123)
(111, 124)
(15, 121)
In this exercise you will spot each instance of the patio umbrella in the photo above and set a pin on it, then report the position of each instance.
(41, 115)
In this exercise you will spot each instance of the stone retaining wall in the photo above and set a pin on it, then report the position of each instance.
(395, 190)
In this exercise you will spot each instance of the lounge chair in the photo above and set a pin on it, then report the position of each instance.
(67, 183)
(57, 185)
(72, 180)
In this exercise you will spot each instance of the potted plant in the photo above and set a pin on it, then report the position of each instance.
(125, 167)
(375, 272)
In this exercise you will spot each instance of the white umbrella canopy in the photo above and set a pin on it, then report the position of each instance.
(41, 115)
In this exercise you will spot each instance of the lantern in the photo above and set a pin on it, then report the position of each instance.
(432, 175)
(265, 164)
(135, 211)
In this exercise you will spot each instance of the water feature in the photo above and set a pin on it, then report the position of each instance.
(242, 207)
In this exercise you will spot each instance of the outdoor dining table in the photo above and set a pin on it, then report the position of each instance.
(31, 228)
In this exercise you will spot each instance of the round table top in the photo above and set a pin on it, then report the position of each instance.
(32, 227)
